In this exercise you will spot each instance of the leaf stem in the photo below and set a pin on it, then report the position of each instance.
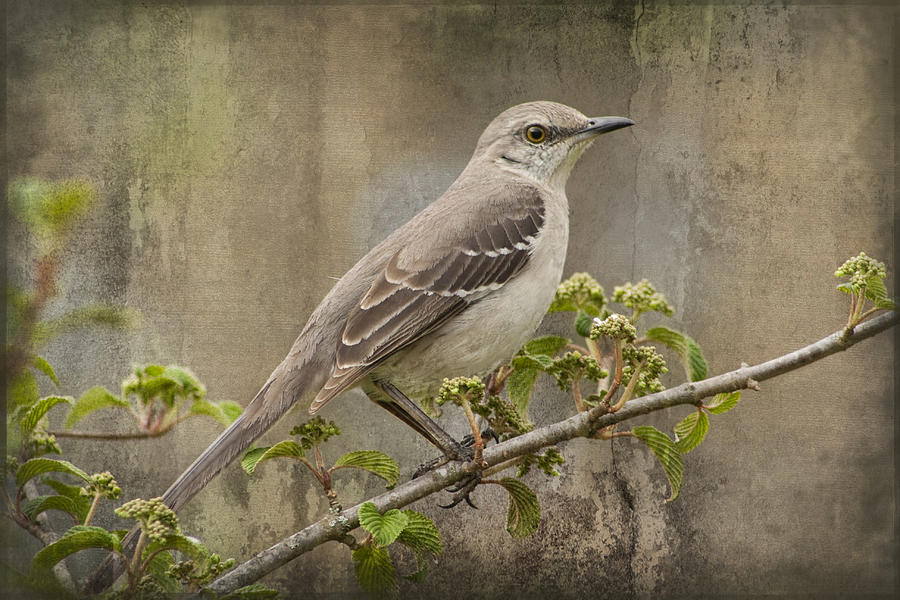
(92, 510)
(476, 432)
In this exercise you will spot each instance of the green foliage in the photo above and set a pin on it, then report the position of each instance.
(94, 399)
(545, 461)
(459, 390)
(44, 367)
(573, 366)
(288, 448)
(583, 324)
(74, 493)
(157, 520)
(667, 453)
(685, 347)
(647, 364)
(85, 316)
(421, 536)
(615, 326)
(103, 485)
(49, 209)
(39, 504)
(75, 539)
(39, 466)
(169, 385)
(22, 390)
(383, 528)
(315, 431)
(39, 409)
(579, 293)
(224, 412)
(534, 357)
(642, 297)
(375, 571)
(690, 431)
(524, 513)
(866, 282)
(372, 461)
(548, 345)
(519, 387)
(722, 403)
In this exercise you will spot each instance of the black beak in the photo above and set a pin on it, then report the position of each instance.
(599, 125)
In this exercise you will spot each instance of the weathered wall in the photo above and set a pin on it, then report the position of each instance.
(246, 156)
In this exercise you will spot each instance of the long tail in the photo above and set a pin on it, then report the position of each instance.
(270, 403)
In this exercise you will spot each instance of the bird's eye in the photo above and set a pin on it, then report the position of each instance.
(535, 134)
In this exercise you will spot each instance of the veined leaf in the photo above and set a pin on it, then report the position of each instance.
(846, 288)
(420, 534)
(667, 453)
(40, 408)
(40, 363)
(77, 538)
(253, 457)
(375, 571)
(232, 410)
(549, 344)
(583, 324)
(722, 403)
(182, 543)
(254, 591)
(690, 431)
(93, 399)
(519, 387)
(72, 492)
(38, 466)
(23, 390)
(373, 461)
(157, 568)
(532, 361)
(384, 528)
(685, 347)
(214, 410)
(37, 505)
(524, 513)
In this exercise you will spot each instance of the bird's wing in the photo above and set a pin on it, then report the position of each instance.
(422, 287)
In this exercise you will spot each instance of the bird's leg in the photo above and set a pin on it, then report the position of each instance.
(467, 442)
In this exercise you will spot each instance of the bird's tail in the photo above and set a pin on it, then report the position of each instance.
(270, 403)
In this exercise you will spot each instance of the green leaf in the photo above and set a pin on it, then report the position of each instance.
(846, 288)
(667, 453)
(524, 514)
(288, 448)
(157, 568)
(44, 367)
(94, 399)
(549, 344)
(210, 409)
(519, 386)
(72, 492)
(375, 571)
(37, 505)
(23, 389)
(182, 543)
(232, 410)
(722, 403)
(384, 528)
(77, 538)
(40, 408)
(38, 466)
(583, 324)
(420, 534)
(110, 316)
(254, 591)
(686, 349)
(532, 361)
(373, 461)
(691, 431)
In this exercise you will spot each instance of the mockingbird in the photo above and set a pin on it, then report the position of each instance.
(455, 291)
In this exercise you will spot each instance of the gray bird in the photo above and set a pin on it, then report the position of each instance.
(457, 290)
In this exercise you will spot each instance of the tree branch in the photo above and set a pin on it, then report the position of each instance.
(336, 527)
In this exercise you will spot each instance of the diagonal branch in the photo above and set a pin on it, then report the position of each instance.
(335, 527)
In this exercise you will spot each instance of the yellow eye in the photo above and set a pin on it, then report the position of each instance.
(535, 134)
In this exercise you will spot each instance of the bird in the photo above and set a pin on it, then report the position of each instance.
(457, 290)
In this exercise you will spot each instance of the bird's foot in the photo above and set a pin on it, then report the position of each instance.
(462, 490)
(465, 453)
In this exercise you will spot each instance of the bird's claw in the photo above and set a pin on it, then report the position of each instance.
(462, 490)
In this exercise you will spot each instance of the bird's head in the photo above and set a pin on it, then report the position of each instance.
(542, 140)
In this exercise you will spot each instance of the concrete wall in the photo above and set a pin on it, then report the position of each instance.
(247, 156)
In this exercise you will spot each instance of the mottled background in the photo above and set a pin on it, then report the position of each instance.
(248, 155)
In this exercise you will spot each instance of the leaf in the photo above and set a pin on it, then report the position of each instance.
(373, 461)
(532, 361)
(519, 386)
(158, 567)
(685, 347)
(524, 514)
(384, 528)
(691, 431)
(40, 408)
(37, 505)
(420, 534)
(77, 538)
(667, 453)
(210, 409)
(23, 389)
(549, 344)
(72, 492)
(44, 367)
(722, 403)
(110, 316)
(231, 409)
(375, 571)
(182, 543)
(583, 324)
(846, 288)
(254, 591)
(885, 303)
(38, 466)
(288, 448)
(94, 399)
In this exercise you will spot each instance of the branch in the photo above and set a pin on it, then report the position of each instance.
(336, 527)
(40, 528)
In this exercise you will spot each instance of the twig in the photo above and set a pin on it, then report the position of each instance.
(336, 527)
(40, 528)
